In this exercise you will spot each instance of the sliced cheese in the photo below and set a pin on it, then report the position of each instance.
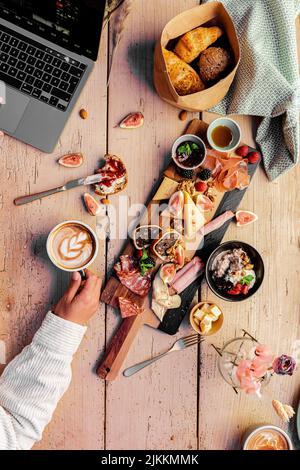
(193, 219)
(158, 309)
(166, 189)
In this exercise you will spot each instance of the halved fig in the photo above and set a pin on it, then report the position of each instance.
(162, 247)
(168, 272)
(93, 207)
(132, 121)
(71, 160)
(144, 236)
(245, 217)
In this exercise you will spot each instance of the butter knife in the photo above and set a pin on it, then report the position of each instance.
(93, 179)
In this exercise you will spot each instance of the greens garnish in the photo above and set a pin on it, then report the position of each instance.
(185, 149)
(246, 280)
(146, 262)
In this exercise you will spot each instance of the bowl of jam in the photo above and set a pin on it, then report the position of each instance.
(224, 134)
(188, 152)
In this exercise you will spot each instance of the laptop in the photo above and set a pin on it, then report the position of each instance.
(47, 51)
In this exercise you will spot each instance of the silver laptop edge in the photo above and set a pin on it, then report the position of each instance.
(30, 120)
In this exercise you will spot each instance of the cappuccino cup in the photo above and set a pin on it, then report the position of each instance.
(267, 437)
(72, 246)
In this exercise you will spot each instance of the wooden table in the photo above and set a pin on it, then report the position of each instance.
(178, 403)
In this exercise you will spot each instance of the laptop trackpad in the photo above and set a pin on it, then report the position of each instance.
(12, 111)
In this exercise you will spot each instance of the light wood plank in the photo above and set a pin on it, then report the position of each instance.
(157, 408)
(29, 283)
(272, 315)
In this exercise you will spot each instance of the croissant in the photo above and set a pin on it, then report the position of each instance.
(191, 44)
(183, 77)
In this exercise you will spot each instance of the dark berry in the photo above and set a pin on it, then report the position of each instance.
(189, 174)
(205, 174)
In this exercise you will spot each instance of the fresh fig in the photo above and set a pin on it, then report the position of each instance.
(71, 160)
(132, 121)
(93, 207)
(168, 272)
(245, 217)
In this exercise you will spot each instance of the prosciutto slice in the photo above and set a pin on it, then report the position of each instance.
(128, 308)
(129, 275)
(229, 172)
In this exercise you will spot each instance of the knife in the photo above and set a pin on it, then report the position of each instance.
(93, 179)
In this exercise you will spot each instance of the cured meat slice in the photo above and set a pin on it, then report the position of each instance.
(190, 275)
(229, 172)
(128, 308)
(129, 275)
(217, 222)
(182, 271)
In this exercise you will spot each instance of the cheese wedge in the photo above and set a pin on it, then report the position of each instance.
(166, 189)
(193, 219)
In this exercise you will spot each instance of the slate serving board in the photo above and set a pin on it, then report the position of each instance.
(230, 201)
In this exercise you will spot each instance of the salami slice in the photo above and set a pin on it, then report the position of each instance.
(129, 275)
(128, 308)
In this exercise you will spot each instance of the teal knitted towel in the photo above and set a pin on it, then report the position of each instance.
(267, 80)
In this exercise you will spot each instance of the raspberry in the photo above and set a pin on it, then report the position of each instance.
(201, 186)
(242, 151)
(253, 157)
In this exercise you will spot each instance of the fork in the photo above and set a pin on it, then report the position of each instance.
(179, 345)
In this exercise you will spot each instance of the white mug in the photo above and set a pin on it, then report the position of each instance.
(91, 232)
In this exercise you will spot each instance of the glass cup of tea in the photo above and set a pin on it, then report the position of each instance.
(72, 246)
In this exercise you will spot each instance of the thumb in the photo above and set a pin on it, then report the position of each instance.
(74, 285)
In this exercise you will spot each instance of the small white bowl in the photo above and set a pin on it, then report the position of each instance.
(235, 130)
(188, 138)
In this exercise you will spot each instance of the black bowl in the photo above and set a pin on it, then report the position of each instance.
(255, 258)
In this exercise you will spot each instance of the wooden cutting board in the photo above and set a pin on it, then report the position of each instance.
(117, 350)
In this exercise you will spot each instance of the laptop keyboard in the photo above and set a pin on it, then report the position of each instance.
(37, 70)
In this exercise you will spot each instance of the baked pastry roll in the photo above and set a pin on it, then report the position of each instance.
(213, 61)
(183, 77)
(191, 44)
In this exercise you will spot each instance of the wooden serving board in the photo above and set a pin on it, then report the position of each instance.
(116, 352)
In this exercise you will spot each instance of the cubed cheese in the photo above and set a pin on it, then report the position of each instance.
(199, 314)
(215, 312)
(206, 324)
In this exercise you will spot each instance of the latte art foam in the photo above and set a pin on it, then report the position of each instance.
(72, 246)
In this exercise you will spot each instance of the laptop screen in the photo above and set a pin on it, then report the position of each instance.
(73, 24)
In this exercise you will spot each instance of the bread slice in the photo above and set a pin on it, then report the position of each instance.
(119, 184)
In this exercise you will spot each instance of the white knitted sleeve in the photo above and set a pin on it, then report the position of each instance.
(33, 383)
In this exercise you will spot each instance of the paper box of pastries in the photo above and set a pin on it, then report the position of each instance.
(197, 57)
